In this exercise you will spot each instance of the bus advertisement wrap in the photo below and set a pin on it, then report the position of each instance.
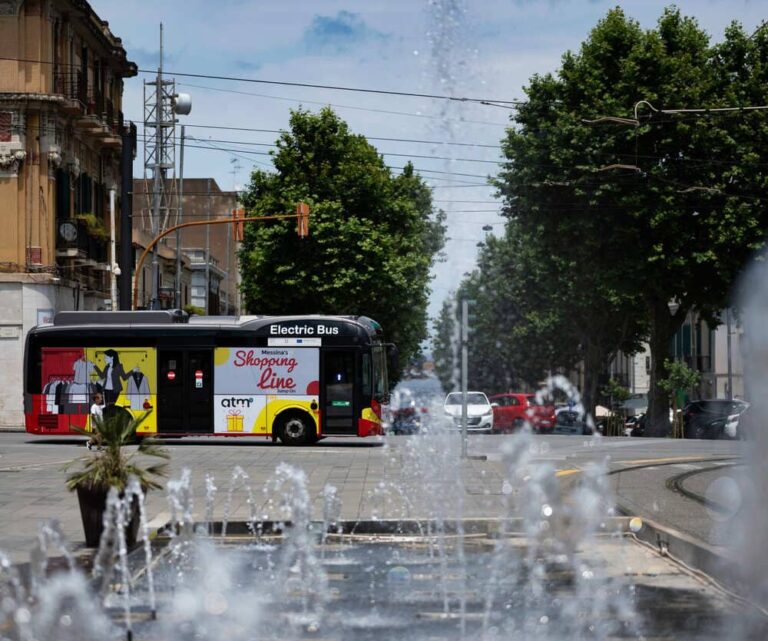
(72, 376)
(253, 384)
(295, 379)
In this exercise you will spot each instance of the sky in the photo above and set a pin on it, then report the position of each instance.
(484, 49)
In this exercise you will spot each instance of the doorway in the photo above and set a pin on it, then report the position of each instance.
(339, 406)
(185, 391)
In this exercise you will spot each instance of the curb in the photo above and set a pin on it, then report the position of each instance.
(718, 564)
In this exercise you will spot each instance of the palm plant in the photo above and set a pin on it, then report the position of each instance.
(113, 463)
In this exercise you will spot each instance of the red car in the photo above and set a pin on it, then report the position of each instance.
(510, 411)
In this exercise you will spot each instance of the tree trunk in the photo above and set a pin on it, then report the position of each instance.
(662, 330)
(594, 363)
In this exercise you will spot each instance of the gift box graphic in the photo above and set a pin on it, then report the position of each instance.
(234, 421)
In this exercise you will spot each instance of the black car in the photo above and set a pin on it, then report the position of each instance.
(569, 422)
(707, 418)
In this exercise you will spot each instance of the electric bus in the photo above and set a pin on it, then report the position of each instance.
(292, 378)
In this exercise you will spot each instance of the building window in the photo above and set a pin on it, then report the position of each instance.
(647, 364)
(6, 129)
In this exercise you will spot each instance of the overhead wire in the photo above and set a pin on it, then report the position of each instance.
(264, 153)
(338, 106)
(286, 83)
(279, 131)
(383, 153)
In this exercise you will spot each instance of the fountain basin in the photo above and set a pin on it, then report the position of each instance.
(468, 579)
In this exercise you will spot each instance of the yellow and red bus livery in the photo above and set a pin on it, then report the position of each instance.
(296, 378)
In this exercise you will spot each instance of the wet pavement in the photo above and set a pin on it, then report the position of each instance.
(364, 471)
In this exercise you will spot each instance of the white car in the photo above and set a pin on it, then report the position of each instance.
(479, 411)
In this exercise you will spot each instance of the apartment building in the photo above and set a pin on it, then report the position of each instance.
(61, 126)
(209, 252)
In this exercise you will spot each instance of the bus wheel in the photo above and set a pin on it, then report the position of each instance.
(296, 428)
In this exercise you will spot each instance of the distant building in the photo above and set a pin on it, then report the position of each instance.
(209, 251)
(632, 372)
(702, 348)
(61, 88)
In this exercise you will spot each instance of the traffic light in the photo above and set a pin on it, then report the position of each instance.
(237, 226)
(302, 220)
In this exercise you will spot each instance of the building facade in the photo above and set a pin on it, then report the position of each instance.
(209, 252)
(61, 86)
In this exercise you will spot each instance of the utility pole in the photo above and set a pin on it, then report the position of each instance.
(728, 348)
(161, 104)
(464, 374)
(208, 253)
(180, 219)
(235, 170)
(158, 176)
(114, 270)
(128, 136)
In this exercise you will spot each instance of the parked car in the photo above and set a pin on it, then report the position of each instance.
(570, 422)
(632, 423)
(511, 411)
(479, 411)
(708, 418)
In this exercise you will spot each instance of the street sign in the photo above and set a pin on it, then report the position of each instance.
(171, 375)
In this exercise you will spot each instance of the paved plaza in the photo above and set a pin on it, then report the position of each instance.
(390, 477)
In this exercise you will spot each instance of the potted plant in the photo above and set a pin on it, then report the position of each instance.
(110, 466)
(94, 226)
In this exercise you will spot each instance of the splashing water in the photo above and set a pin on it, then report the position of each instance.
(239, 479)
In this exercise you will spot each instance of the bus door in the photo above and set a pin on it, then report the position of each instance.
(185, 390)
(340, 413)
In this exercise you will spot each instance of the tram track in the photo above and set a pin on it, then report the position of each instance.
(677, 484)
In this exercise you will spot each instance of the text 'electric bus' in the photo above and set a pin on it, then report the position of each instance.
(291, 378)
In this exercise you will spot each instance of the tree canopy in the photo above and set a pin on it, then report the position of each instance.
(617, 206)
(373, 235)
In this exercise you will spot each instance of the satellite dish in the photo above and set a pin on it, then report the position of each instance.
(182, 104)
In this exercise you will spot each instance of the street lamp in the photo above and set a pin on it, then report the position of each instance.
(182, 105)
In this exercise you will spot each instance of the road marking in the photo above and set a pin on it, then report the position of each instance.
(567, 472)
(659, 461)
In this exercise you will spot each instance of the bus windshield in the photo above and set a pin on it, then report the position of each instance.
(380, 382)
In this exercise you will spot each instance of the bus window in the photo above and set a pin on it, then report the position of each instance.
(367, 386)
(339, 376)
(380, 383)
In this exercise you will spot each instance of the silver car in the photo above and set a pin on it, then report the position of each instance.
(479, 411)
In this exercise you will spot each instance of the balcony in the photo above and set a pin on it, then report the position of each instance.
(73, 87)
(97, 115)
(76, 245)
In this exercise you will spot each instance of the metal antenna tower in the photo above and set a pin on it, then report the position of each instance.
(235, 171)
(160, 158)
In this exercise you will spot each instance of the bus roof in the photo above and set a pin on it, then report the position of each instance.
(174, 321)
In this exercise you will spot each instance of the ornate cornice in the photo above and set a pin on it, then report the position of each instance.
(10, 7)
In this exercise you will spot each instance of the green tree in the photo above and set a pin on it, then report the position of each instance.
(373, 235)
(679, 378)
(444, 340)
(642, 213)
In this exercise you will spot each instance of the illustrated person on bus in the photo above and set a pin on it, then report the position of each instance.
(112, 376)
